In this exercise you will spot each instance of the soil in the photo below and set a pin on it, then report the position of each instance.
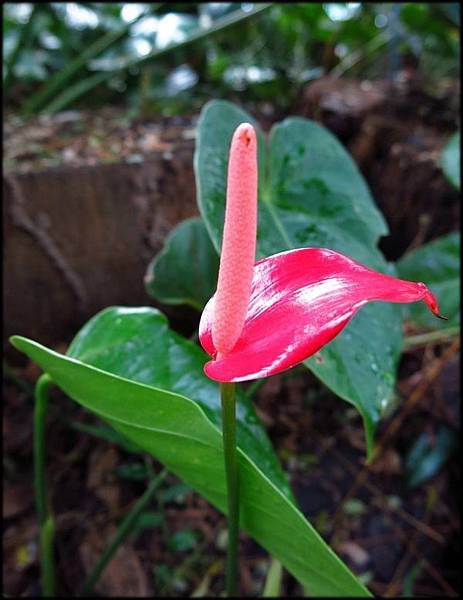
(400, 539)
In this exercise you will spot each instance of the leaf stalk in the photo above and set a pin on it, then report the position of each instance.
(44, 514)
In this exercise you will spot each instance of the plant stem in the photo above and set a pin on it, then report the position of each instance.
(272, 587)
(433, 336)
(123, 531)
(44, 515)
(227, 394)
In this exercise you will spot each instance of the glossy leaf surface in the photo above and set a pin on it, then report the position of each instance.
(450, 160)
(437, 263)
(138, 344)
(177, 431)
(185, 271)
(311, 194)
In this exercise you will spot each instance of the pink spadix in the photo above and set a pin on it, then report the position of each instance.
(238, 243)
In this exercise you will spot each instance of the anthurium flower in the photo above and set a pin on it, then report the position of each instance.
(269, 316)
(300, 300)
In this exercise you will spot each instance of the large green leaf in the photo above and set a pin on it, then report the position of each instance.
(311, 194)
(438, 265)
(181, 434)
(185, 271)
(138, 344)
(450, 160)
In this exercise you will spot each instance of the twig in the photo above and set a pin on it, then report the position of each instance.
(44, 512)
(423, 528)
(443, 335)
(432, 373)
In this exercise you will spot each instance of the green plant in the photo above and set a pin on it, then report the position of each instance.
(147, 382)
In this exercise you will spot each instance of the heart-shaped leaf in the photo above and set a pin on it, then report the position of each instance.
(180, 433)
(185, 271)
(437, 263)
(311, 194)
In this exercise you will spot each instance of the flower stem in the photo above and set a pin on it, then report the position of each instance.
(123, 531)
(227, 394)
(44, 515)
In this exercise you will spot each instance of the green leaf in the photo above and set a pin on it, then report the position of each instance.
(133, 471)
(426, 457)
(177, 431)
(316, 195)
(311, 194)
(137, 343)
(175, 493)
(147, 520)
(107, 433)
(186, 269)
(437, 264)
(450, 160)
(183, 541)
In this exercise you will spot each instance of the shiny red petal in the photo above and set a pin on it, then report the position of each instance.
(300, 300)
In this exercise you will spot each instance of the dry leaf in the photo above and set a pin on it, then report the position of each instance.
(101, 478)
(123, 576)
(16, 499)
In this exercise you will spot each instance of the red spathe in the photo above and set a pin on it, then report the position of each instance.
(300, 300)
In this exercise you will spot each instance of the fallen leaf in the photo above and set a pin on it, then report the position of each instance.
(123, 576)
(100, 478)
(16, 499)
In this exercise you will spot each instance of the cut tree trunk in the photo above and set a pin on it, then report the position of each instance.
(78, 239)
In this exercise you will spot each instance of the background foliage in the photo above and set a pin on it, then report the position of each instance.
(55, 53)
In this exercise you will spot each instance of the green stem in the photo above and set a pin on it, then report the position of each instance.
(272, 587)
(44, 515)
(433, 336)
(124, 529)
(227, 394)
